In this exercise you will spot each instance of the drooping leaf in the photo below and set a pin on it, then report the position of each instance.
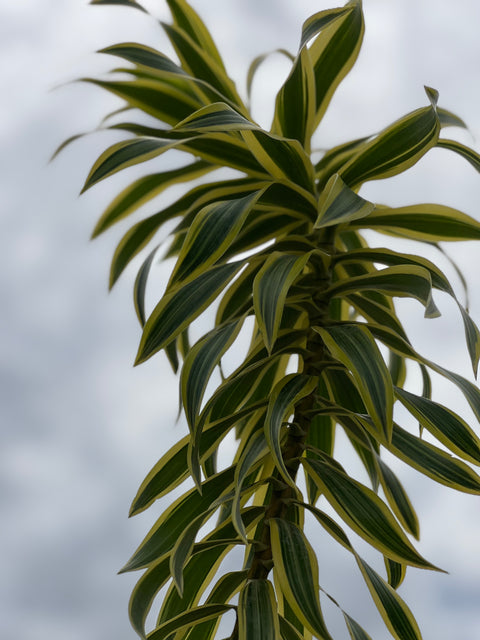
(188, 619)
(296, 571)
(126, 3)
(398, 499)
(364, 512)
(355, 348)
(443, 423)
(469, 154)
(270, 290)
(287, 392)
(257, 612)
(176, 310)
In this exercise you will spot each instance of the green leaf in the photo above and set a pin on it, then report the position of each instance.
(398, 499)
(395, 149)
(335, 50)
(177, 309)
(295, 102)
(405, 281)
(354, 629)
(364, 512)
(164, 534)
(212, 231)
(199, 364)
(296, 572)
(395, 572)
(199, 62)
(188, 619)
(288, 631)
(355, 348)
(443, 423)
(433, 462)
(122, 155)
(254, 451)
(144, 56)
(430, 222)
(143, 190)
(270, 290)
(257, 612)
(187, 19)
(395, 613)
(339, 204)
(314, 24)
(285, 395)
(469, 154)
(140, 286)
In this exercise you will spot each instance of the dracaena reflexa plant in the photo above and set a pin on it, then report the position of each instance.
(278, 248)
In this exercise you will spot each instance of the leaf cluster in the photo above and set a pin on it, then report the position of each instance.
(279, 249)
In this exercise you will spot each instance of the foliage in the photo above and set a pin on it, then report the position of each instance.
(279, 249)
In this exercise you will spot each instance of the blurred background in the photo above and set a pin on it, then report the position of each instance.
(80, 427)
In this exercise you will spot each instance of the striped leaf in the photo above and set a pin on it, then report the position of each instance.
(406, 281)
(211, 233)
(443, 423)
(355, 348)
(186, 18)
(122, 155)
(199, 364)
(270, 290)
(339, 204)
(286, 393)
(364, 512)
(354, 629)
(144, 56)
(164, 534)
(469, 154)
(257, 612)
(433, 462)
(334, 51)
(143, 190)
(429, 222)
(395, 149)
(395, 572)
(180, 307)
(288, 631)
(295, 102)
(256, 62)
(296, 572)
(395, 613)
(398, 499)
(188, 619)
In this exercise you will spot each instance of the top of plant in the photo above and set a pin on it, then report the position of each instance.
(279, 249)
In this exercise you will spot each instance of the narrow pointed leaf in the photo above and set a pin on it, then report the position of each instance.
(256, 62)
(365, 513)
(180, 307)
(143, 190)
(175, 519)
(354, 347)
(433, 462)
(199, 364)
(443, 423)
(395, 149)
(270, 290)
(257, 612)
(188, 619)
(406, 281)
(354, 629)
(296, 571)
(125, 3)
(395, 613)
(334, 50)
(431, 222)
(395, 572)
(211, 233)
(140, 286)
(288, 391)
(398, 499)
(469, 154)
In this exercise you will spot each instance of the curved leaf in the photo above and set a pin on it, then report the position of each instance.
(270, 290)
(296, 571)
(177, 309)
(470, 155)
(189, 619)
(355, 348)
(339, 204)
(365, 513)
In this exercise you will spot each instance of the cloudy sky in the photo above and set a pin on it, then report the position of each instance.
(80, 426)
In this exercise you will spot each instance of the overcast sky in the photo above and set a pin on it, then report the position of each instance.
(80, 426)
